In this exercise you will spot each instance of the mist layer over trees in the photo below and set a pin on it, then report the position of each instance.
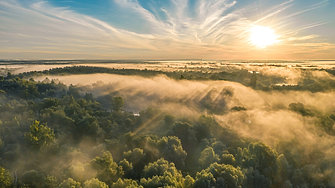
(167, 129)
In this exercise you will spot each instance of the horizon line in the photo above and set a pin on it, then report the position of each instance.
(139, 59)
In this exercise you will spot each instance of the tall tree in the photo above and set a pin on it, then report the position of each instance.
(117, 103)
(39, 136)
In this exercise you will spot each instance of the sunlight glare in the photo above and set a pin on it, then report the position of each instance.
(262, 36)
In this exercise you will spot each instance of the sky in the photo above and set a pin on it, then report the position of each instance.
(166, 29)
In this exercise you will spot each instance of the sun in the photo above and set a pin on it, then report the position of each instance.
(262, 36)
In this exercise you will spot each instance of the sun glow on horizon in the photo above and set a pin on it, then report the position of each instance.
(262, 36)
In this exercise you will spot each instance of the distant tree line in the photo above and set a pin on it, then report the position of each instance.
(259, 81)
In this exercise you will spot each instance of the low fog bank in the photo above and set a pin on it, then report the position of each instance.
(116, 128)
(264, 116)
(162, 91)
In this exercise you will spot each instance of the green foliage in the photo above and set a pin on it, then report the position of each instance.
(207, 157)
(172, 150)
(135, 156)
(188, 182)
(262, 159)
(6, 178)
(204, 127)
(148, 113)
(2, 92)
(161, 173)
(69, 183)
(39, 136)
(169, 119)
(227, 159)
(186, 133)
(87, 126)
(300, 108)
(107, 170)
(326, 123)
(167, 180)
(36, 179)
(137, 159)
(204, 179)
(50, 182)
(169, 147)
(129, 122)
(187, 152)
(48, 103)
(253, 80)
(159, 168)
(126, 183)
(78, 172)
(220, 175)
(95, 183)
(238, 108)
(285, 168)
(117, 103)
(127, 168)
(1, 142)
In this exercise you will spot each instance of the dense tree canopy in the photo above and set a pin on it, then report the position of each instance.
(53, 135)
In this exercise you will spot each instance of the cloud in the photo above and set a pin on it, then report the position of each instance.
(302, 38)
(209, 29)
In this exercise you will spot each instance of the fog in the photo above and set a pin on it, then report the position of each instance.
(297, 124)
(274, 67)
(267, 119)
(158, 90)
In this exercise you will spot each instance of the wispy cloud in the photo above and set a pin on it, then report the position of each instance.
(214, 29)
(308, 37)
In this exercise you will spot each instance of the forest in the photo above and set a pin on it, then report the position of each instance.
(184, 129)
(314, 80)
